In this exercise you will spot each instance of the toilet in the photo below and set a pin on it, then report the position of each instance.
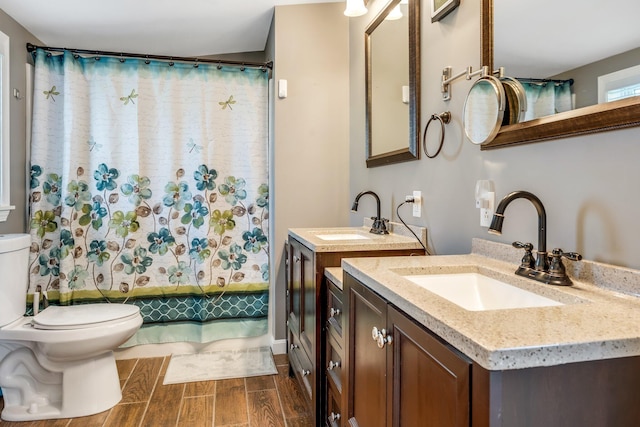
(59, 363)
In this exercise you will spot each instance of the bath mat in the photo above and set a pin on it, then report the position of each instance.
(217, 365)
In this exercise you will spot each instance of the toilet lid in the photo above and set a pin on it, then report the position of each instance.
(82, 316)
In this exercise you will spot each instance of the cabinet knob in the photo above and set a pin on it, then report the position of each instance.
(333, 312)
(296, 258)
(333, 364)
(334, 417)
(381, 337)
(293, 346)
(305, 372)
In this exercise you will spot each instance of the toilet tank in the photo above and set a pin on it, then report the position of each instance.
(14, 260)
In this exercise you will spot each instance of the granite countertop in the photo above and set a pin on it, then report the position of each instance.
(366, 241)
(335, 275)
(600, 318)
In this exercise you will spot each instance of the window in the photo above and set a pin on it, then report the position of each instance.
(5, 141)
(619, 84)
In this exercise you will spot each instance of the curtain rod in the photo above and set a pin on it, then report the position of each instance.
(264, 65)
(534, 80)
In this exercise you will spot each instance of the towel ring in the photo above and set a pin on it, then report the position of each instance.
(444, 118)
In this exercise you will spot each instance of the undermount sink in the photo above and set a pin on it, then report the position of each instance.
(477, 292)
(342, 236)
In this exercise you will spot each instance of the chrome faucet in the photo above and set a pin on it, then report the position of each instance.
(544, 267)
(379, 224)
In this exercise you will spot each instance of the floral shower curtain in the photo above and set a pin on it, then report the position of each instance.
(546, 98)
(149, 187)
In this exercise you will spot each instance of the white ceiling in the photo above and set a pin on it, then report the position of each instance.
(155, 27)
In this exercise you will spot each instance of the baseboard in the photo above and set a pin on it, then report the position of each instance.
(278, 346)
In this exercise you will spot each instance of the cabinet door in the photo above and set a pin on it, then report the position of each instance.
(367, 363)
(430, 381)
(308, 309)
(295, 286)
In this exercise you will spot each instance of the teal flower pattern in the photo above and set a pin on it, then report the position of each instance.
(233, 190)
(179, 274)
(106, 178)
(176, 195)
(137, 189)
(78, 194)
(199, 252)
(263, 196)
(51, 188)
(124, 223)
(138, 262)
(194, 213)
(254, 240)
(205, 178)
(160, 242)
(77, 278)
(98, 253)
(232, 258)
(36, 171)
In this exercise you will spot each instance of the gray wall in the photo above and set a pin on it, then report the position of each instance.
(18, 38)
(310, 146)
(588, 184)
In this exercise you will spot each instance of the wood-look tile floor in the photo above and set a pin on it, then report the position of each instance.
(273, 400)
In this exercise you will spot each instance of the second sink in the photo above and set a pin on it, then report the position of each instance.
(477, 292)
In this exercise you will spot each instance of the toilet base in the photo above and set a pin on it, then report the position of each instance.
(36, 389)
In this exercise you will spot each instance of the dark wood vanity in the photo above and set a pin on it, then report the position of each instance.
(418, 379)
(316, 324)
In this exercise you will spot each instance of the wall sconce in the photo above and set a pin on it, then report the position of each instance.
(355, 8)
(395, 14)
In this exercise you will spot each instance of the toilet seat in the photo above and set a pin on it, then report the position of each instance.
(83, 316)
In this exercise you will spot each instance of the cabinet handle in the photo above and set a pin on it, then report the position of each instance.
(334, 417)
(381, 337)
(305, 372)
(293, 346)
(333, 364)
(333, 312)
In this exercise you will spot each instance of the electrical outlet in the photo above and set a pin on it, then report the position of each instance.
(486, 212)
(417, 203)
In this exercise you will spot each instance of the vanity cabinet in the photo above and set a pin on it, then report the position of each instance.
(399, 373)
(316, 350)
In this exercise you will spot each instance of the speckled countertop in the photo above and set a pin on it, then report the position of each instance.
(600, 318)
(397, 239)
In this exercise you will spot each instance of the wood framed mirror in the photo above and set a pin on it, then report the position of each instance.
(590, 119)
(392, 78)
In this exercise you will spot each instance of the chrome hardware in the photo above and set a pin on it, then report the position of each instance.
(380, 337)
(293, 346)
(296, 258)
(333, 365)
(334, 417)
(333, 312)
(305, 372)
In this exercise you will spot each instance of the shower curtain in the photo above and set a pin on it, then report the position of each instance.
(149, 187)
(546, 98)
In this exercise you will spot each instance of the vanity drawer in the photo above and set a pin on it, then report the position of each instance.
(334, 364)
(334, 410)
(302, 367)
(334, 310)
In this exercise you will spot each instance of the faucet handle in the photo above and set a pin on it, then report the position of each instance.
(527, 260)
(555, 266)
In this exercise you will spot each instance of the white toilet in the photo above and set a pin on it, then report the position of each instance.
(60, 363)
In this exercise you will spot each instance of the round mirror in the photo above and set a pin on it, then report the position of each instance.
(483, 110)
(516, 101)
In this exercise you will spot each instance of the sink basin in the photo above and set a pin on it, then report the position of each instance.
(342, 236)
(476, 292)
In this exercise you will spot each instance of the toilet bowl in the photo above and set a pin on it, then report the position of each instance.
(59, 363)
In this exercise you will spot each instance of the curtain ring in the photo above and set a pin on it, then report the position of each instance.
(444, 118)
(196, 65)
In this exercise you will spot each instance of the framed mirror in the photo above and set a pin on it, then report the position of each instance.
(392, 78)
(497, 16)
